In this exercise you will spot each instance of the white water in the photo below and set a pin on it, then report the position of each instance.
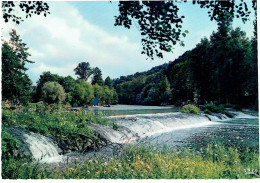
(42, 148)
(132, 127)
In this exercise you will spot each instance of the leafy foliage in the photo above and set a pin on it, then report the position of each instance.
(160, 25)
(28, 7)
(15, 82)
(82, 93)
(190, 109)
(97, 77)
(83, 70)
(108, 82)
(206, 73)
(10, 145)
(209, 108)
(53, 92)
(45, 77)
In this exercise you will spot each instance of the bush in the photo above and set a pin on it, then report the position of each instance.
(213, 108)
(209, 108)
(53, 92)
(206, 111)
(10, 145)
(115, 126)
(190, 109)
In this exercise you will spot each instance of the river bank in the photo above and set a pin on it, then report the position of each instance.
(90, 137)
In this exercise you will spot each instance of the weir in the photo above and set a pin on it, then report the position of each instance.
(41, 148)
(131, 128)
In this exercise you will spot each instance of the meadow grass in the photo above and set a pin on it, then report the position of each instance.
(214, 162)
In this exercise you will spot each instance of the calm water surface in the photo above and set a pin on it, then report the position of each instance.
(116, 110)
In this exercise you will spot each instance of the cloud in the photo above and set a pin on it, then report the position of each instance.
(64, 38)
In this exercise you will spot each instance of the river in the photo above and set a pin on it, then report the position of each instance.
(159, 127)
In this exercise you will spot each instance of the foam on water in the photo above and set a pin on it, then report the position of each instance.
(133, 127)
(241, 115)
(42, 148)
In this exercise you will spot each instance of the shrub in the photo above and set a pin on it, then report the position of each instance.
(115, 126)
(10, 145)
(213, 108)
(190, 109)
(206, 111)
(53, 92)
(209, 108)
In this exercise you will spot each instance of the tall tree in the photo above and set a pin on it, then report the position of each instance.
(160, 24)
(82, 94)
(15, 82)
(97, 77)
(83, 70)
(108, 82)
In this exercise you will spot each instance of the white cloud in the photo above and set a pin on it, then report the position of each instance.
(64, 38)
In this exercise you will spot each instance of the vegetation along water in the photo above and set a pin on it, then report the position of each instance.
(193, 117)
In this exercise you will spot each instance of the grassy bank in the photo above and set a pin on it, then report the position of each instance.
(69, 129)
(55, 123)
(214, 162)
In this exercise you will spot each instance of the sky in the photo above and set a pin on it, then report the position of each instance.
(84, 31)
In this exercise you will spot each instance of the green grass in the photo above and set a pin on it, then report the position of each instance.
(69, 128)
(52, 122)
(213, 162)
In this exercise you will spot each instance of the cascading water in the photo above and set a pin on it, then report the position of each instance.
(155, 128)
(133, 127)
(42, 148)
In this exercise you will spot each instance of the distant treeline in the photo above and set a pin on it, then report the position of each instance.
(77, 92)
(222, 69)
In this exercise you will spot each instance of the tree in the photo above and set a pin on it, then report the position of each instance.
(53, 92)
(15, 82)
(83, 70)
(108, 95)
(45, 77)
(28, 7)
(160, 25)
(68, 84)
(99, 90)
(108, 82)
(97, 77)
(82, 93)
(165, 90)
